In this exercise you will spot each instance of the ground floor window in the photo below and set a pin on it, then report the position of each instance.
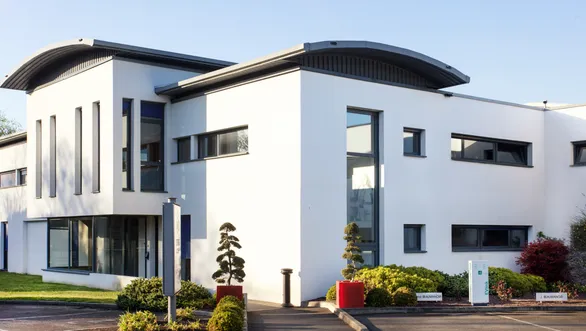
(118, 245)
(489, 238)
(185, 247)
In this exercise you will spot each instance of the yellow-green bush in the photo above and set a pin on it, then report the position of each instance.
(331, 295)
(435, 276)
(518, 282)
(537, 283)
(404, 296)
(138, 321)
(392, 279)
(379, 297)
(231, 299)
(227, 316)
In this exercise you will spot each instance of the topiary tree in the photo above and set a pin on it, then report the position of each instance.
(231, 266)
(352, 252)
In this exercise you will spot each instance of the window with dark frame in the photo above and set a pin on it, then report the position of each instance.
(412, 139)
(579, 153)
(226, 142)
(489, 150)
(489, 238)
(8, 179)
(152, 133)
(412, 238)
(127, 144)
(184, 149)
(22, 176)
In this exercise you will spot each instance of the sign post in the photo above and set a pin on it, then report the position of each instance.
(171, 254)
(478, 282)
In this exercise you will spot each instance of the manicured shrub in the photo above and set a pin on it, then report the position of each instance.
(229, 306)
(147, 294)
(231, 299)
(435, 276)
(538, 284)
(138, 321)
(571, 289)
(404, 296)
(331, 295)
(519, 283)
(178, 326)
(456, 286)
(226, 319)
(379, 297)
(352, 252)
(393, 279)
(545, 258)
(504, 292)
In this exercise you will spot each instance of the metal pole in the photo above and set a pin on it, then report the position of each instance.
(286, 287)
(171, 311)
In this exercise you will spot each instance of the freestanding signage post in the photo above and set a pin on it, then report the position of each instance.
(171, 254)
(478, 282)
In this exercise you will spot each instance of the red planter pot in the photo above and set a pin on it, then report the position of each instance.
(224, 290)
(349, 294)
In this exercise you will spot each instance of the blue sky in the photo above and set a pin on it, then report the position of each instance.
(520, 51)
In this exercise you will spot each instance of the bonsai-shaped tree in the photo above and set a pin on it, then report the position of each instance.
(231, 266)
(352, 252)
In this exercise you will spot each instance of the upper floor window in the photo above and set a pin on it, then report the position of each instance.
(7, 179)
(489, 150)
(22, 176)
(183, 149)
(413, 238)
(152, 123)
(412, 142)
(226, 142)
(127, 144)
(579, 152)
(487, 237)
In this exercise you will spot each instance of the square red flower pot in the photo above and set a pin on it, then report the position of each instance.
(349, 294)
(224, 290)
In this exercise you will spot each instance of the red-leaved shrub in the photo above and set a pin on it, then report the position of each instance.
(546, 258)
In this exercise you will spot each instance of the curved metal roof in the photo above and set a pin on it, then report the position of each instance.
(439, 74)
(20, 77)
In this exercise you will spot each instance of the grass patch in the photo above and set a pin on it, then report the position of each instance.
(28, 287)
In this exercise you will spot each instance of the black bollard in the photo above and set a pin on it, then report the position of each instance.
(286, 287)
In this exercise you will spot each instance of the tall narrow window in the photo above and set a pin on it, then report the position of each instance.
(151, 146)
(184, 149)
(52, 157)
(362, 180)
(22, 176)
(127, 144)
(39, 160)
(96, 147)
(78, 149)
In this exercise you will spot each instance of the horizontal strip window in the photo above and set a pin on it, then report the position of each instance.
(579, 153)
(233, 141)
(489, 150)
(8, 179)
(489, 238)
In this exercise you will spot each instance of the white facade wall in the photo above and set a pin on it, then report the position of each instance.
(259, 193)
(565, 188)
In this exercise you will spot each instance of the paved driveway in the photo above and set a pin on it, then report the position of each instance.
(267, 316)
(522, 321)
(53, 318)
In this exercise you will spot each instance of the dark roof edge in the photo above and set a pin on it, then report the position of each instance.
(12, 138)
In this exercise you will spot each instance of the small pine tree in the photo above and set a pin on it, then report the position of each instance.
(352, 252)
(231, 266)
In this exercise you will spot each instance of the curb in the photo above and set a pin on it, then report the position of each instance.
(452, 310)
(343, 315)
(108, 306)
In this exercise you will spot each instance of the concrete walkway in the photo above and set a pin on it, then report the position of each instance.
(267, 316)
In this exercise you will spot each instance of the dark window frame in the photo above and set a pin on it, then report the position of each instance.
(215, 135)
(479, 238)
(417, 141)
(179, 154)
(128, 150)
(14, 174)
(20, 176)
(577, 146)
(160, 163)
(495, 145)
(419, 228)
(375, 154)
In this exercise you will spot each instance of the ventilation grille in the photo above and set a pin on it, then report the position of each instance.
(367, 68)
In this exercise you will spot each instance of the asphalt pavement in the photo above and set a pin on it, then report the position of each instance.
(266, 316)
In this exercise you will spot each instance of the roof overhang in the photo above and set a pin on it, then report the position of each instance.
(12, 138)
(20, 77)
(441, 74)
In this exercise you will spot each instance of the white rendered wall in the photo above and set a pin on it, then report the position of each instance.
(435, 191)
(259, 193)
(36, 247)
(565, 188)
(103, 281)
(13, 207)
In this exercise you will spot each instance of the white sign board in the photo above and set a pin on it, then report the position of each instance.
(551, 296)
(429, 296)
(478, 282)
(171, 248)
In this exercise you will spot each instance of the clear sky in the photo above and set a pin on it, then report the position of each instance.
(514, 50)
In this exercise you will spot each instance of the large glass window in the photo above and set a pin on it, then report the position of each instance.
(227, 142)
(118, 244)
(488, 150)
(362, 179)
(473, 237)
(151, 146)
(71, 244)
(7, 179)
(127, 144)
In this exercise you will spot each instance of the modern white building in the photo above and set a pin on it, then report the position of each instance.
(289, 148)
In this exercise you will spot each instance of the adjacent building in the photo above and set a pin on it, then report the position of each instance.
(289, 148)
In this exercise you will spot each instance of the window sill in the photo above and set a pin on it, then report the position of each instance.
(76, 193)
(211, 158)
(578, 165)
(153, 191)
(493, 163)
(54, 196)
(415, 156)
(127, 190)
(414, 252)
(66, 271)
(94, 192)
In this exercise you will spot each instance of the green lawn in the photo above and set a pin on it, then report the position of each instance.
(27, 287)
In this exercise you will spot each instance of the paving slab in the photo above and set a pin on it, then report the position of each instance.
(266, 316)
